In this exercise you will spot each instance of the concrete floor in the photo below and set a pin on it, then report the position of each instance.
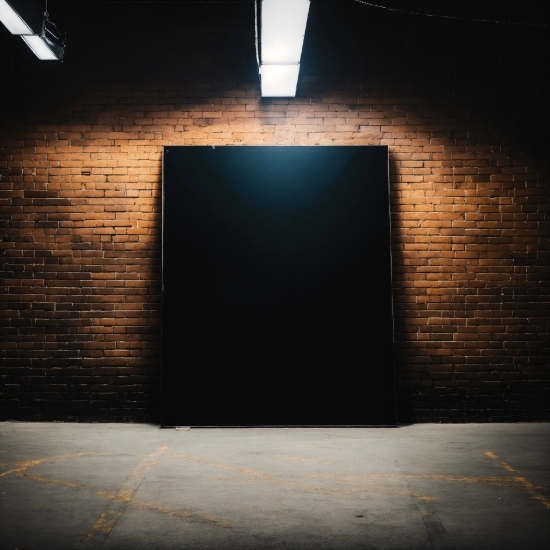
(121, 486)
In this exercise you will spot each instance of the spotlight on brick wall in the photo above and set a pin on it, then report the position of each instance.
(80, 196)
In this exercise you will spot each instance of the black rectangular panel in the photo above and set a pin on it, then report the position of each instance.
(277, 306)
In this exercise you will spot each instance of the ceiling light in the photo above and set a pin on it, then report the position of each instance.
(29, 18)
(283, 30)
(42, 48)
(279, 80)
(283, 26)
(22, 16)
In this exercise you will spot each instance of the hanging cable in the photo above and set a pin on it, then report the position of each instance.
(422, 14)
(57, 34)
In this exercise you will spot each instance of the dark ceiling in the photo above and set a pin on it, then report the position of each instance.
(528, 11)
(490, 68)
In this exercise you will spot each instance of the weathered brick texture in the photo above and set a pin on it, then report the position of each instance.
(80, 198)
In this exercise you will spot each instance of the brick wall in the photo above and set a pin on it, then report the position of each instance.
(466, 122)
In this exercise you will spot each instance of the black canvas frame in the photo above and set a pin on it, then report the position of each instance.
(277, 301)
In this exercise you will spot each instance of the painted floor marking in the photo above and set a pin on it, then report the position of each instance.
(351, 478)
(184, 514)
(281, 479)
(522, 481)
(107, 520)
(24, 465)
(124, 495)
(175, 512)
(54, 481)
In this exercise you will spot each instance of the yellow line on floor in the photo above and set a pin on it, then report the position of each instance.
(105, 523)
(350, 478)
(26, 464)
(176, 512)
(492, 480)
(43, 479)
(281, 479)
(101, 529)
(522, 481)
(191, 516)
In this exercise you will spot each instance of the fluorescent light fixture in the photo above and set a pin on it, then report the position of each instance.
(40, 47)
(279, 80)
(283, 29)
(12, 20)
(22, 17)
(283, 26)
(29, 19)
(47, 46)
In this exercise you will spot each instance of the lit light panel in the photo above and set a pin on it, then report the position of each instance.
(279, 80)
(40, 48)
(283, 27)
(12, 20)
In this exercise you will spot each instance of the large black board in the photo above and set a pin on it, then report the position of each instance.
(277, 306)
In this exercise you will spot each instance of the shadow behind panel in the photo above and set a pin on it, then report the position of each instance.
(277, 286)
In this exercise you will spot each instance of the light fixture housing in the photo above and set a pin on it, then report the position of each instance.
(45, 46)
(283, 26)
(29, 19)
